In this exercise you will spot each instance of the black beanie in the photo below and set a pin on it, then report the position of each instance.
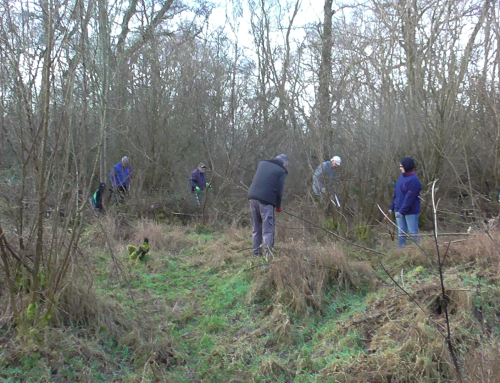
(408, 164)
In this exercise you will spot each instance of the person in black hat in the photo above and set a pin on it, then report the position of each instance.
(96, 199)
(265, 194)
(198, 183)
(406, 202)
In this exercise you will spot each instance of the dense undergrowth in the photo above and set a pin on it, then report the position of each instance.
(200, 308)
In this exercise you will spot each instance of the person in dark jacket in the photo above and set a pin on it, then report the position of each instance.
(198, 183)
(265, 195)
(406, 202)
(96, 199)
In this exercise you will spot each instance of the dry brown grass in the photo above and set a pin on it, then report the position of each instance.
(411, 255)
(223, 251)
(116, 231)
(276, 320)
(299, 276)
(482, 249)
(402, 344)
(273, 367)
(290, 228)
(482, 363)
(406, 344)
(104, 232)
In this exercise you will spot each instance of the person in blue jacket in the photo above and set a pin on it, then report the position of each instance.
(323, 179)
(406, 202)
(198, 183)
(324, 176)
(121, 176)
(265, 194)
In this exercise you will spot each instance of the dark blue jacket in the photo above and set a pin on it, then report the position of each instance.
(197, 179)
(268, 183)
(406, 198)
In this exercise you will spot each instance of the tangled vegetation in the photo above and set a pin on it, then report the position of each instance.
(199, 308)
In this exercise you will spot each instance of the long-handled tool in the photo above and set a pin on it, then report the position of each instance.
(335, 203)
(336, 199)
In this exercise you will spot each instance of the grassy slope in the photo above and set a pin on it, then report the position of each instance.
(201, 314)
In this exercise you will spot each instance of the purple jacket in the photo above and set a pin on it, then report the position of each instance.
(120, 176)
(197, 179)
(406, 198)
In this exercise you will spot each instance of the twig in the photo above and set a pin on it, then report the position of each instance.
(13, 252)
(460, 240)
(492, 240)
(443, 234)
(244, 186)
(411, 298)
(443, 292)
(334, 234)
(263, 264)
(365, 319)
(388, 228)
(247, 248)
(401, 288)
(115, 261)
(408, 236)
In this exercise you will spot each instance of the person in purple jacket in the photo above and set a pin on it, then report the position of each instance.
(406, 202)
(120, 176)
(198, 183)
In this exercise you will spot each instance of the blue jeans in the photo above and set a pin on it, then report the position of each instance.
(407, 224)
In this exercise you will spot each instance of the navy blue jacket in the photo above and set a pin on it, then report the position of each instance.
(406, 198)
(268, 183)
(197, 179)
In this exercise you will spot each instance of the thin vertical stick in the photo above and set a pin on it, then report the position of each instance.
(443, 292)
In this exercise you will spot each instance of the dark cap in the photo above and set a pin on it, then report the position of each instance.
(202, 165)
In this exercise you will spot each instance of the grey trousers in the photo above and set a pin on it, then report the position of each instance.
(262, 216)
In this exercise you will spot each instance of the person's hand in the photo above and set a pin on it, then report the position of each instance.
(399, 215)
(197, 188)
(208, 185)
(278, 210)
(390, 212)
(323, 190)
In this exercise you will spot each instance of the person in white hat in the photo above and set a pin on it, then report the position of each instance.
(324, 176)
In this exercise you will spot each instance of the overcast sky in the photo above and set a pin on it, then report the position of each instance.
(310, 11)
